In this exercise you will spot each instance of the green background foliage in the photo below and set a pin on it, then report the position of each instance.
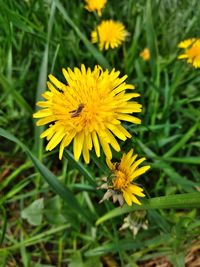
(49, 210)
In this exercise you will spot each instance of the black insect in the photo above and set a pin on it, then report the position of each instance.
(117, 164)
(77, 112)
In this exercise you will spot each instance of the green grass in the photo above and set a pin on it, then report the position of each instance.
(49, 210)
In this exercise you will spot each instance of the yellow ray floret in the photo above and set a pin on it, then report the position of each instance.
(191, 51)
(95, 5)
(120, 184)
(88, 110)
(109, 34)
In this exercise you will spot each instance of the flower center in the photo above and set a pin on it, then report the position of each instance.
(194, 51)
(120, 180)
(91, 115)
(110, 35)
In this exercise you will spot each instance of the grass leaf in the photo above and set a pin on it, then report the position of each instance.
(79, 166)
(99, 57)
(179, 201)
(17, 97)
(50, 178)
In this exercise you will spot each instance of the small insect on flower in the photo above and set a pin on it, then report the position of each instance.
(77, 112)
(95, 5)
(109, 34)
(120, 184)
(191, 51)
(88, 110)
(145, 54)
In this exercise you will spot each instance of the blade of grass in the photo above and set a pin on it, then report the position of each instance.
(79, 166)
(131, 54)
(99, 57)
(10, 90)
(151, 39)
(16, 188)
(18, 20)
(150, 153)
(179, 180)
(179, 201)
(24, 253)
(182, 141)
(4, 227)
(159, 163)
(10, 56)
(127, 244)
(187, 160)
(14, 174)
(50, 178)
(37, 238)
(41, 86)
(154, 62)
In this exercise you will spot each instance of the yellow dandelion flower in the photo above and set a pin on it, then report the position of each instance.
(88, 109)
(191, 51)
(95, 5)
(120, 184)
(145, 54)
(109, 34)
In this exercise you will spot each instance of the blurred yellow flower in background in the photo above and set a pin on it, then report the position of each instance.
(88, 109)
(145, 54)
(109, 34)
(191, 51)
(120, 184)
(95, 5)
